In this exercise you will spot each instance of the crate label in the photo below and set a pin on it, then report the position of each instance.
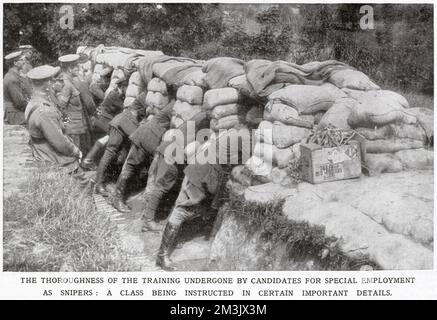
(337, 156)
(329, 170)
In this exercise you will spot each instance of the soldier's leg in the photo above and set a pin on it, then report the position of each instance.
(114, 143)
(163, 178)
(89, 162)
(189, 196)
(135, 160)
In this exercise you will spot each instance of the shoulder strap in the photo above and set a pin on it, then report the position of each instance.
(31, 112)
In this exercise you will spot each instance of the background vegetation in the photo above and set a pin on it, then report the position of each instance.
(397, 53)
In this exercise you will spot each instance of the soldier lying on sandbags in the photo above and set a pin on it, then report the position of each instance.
(204, 183)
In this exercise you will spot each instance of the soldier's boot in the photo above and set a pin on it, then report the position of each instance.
(118, 197)
(152, 201)
(99, 188)
(167, 242)
(89, 162)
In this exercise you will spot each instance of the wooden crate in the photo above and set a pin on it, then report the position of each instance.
(330, 164)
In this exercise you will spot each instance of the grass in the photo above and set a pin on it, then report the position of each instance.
(53, 225)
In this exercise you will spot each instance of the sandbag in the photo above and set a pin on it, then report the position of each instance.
(278, 175)
(128, 101)
(117, 74)
(190, 94)
(264, 133)
(157, 85)
(216, 97)
(285, 136)
(225, 110)
(392, 145)
(271, 154)
(338, 114)
(228, 122)
(238, 175)
(425, 118)
(377, 108)
(102, 70)
(417, 159)
(156, 99)
(382, 163)
(176, 122)
(285, 114)
(410, 131)
(243, 86)
(352, 79)
(133, 91)
(195, 78)
(135, 79)
(259, 167)
(254, 116)
(335, 91)
(306, 99)
(388, 96)
(185, 111)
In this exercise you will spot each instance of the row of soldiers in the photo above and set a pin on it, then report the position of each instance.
(73, 120)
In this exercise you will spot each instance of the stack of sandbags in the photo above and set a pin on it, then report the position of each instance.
(157, 95)
(382, 117)
(134, 88)
(277, 143)
(188, 104)
(393, 133)
(223, 107)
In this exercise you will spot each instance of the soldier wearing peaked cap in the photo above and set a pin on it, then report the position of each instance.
(16, 89)
(73, 102)
(48, 140)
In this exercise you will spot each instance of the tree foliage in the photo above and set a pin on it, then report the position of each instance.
(398, 52)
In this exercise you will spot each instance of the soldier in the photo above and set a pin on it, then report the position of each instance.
(98, 86)
(164, 174)
(120, 128)
(110, 107)
(144, 140)
(16, 89)
(70, 103)
(46, 129)
(203, 183)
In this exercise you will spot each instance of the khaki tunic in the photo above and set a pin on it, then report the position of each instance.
(48, 141)
(70, 104)
(16, 94)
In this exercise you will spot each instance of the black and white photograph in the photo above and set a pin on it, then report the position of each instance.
(166, 137)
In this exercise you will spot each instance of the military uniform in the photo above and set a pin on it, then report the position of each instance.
(48, 140)
(163, 175)
(123, 125)
(76, 103)
(203, 182)
(111, 106)
(144, 140)
(16, 95)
